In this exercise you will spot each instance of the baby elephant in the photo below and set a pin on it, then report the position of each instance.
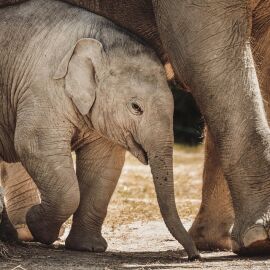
(74, 81)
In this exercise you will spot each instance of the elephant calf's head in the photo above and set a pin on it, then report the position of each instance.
(123, 89)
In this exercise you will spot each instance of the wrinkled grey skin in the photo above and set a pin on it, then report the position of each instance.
(208, 43)
(75, 82)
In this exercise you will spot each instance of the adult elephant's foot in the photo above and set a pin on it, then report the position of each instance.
(44, 229)
(252, 240)
(211, 232)
(86, 241)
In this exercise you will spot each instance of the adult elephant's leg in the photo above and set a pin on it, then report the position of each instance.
(21, 194)
(208, 43)
(211, 228)
(261, 49)
(99, 165)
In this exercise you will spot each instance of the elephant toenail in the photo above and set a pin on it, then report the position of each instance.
(254, 234)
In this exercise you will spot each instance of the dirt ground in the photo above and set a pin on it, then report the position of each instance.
(136, 234)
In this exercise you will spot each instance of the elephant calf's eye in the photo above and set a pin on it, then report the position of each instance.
(136, 108)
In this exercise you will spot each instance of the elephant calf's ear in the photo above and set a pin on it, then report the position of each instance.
(78, 68)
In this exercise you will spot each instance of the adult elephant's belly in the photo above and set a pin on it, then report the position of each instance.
(7, 150)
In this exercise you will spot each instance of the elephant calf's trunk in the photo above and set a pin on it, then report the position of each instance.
(163, 180)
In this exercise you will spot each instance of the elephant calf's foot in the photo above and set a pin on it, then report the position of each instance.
(25, 235)
(92, 243)
(42, 230)
(254, 241)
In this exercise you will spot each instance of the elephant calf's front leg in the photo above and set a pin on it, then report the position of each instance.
(99, 166)
(46, 155)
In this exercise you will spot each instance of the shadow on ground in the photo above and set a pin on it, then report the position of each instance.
(35, 256)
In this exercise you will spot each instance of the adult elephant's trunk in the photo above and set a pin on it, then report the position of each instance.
(161, 166)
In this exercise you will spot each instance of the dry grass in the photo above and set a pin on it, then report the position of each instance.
(135, 199)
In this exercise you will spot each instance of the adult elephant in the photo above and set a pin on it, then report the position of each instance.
(208, 44)
(216, 214)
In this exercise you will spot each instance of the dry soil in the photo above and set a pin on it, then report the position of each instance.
(136, 234)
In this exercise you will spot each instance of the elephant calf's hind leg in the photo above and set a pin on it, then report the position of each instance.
(21, 194)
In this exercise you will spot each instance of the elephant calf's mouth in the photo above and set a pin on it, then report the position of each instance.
(136, 150)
